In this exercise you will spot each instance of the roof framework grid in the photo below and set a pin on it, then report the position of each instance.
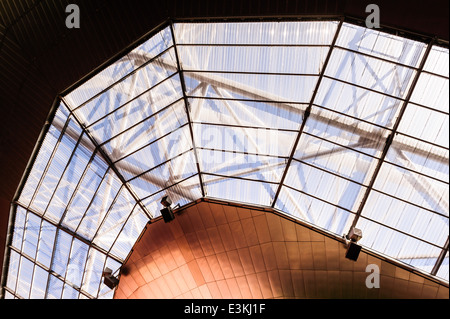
(329, 122)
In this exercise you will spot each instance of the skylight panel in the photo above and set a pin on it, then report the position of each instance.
(425, 124)
(308, 179)
(380, 44)
(289, 60)
(335, 158)
(438, 61)
(370, 73)
(121, 68)
(393, 243)
(114, 220)
(238, 113)
(314, 210)
(261, 33)
(43, 158)
(251, 86)
(443, 271)
(126, 89)
(242, 139)
(407, 217)
(142, 107)
(432, 91)
(346, 131)
(246, 191)
(358, 102)
(412, 187)
(420, 156)
(167, 174)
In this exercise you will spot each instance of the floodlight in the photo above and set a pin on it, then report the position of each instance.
(108, 279)
(165, 201)
(167, 214)
(354, 234)
(353, 249)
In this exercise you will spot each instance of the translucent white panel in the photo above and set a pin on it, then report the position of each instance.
(263, 168)
(13, 269)
(39, 165)
(405, 217)
(423, 263)
(19, 227)
(56, 166)
(420, 156)
(31, 235)
(432, 91)
(438, 61)
(325, 186)
(39, 285)
(128, 88)
(357, 102)
(172, 145)
(265, 59)
(148, 131)
(54, 289)
(93, 272)
(165, 175)
(394, 244)
(69, 181)
(246, 113)
(250, 86)
(182, 193)
(380, 44)
(381, 76)
(24, 278)
(46, 243)
(76, 262)
(443, 271)
(61, 254)
(245, 191)
(256, 141)
(425, 124)
(346, 131)
(282, 32)
(116, 217)
(8, 295)
(336, 159)
(120, 68)
(412, 187)
(130, 233)
(69, 292)
(314, 211)
(146, 105)
(84, 194)
(99, 206)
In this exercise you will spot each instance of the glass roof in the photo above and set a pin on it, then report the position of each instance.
(331, 123)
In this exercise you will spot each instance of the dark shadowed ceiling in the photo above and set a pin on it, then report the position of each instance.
(40, 57)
